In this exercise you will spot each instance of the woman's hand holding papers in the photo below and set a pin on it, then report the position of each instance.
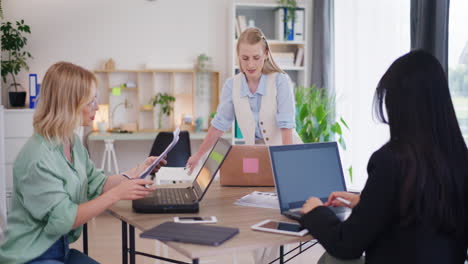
(132, 190)
(136, 171)
(135, 188)
(116, 181)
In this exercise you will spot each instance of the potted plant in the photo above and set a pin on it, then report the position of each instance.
(315, 117)
(13, 43)
(203, 62)
(164, 100)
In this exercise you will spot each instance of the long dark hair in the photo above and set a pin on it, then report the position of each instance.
(426, 138)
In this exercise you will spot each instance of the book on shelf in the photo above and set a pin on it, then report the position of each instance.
(290, 30)
(279, 24)
(299, 25)
(284, 59)
(299, 57)
(284, 30)
(238, 31)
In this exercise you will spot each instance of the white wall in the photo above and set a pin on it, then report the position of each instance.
(2, 165)
(132, 32)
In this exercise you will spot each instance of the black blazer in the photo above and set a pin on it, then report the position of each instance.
(374, 227)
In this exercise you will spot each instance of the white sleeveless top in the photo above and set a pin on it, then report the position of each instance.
(267, 115)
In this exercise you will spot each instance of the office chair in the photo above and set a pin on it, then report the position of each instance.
(181, 152)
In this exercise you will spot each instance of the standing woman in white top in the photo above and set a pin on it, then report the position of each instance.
(262, 87)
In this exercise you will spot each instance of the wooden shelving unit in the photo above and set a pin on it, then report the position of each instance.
(263, 13)
(196, 95)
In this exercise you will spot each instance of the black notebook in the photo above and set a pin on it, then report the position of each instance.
(191, 233)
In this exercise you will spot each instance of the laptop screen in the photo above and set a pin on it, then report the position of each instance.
(211, 166)
(305, 170)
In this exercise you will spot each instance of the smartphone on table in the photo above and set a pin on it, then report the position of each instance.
(196, 219)
(286, 228)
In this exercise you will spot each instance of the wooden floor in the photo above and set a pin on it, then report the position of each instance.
(104, 236)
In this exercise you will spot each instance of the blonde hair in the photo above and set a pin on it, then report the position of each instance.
(253, 36)
(65, 92)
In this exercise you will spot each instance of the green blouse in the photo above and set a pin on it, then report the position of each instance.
(47, 192)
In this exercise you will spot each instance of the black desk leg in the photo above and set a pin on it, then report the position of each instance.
(281, 257)
(132, 244)
(195, 261)
(85, 239)
(124, 243)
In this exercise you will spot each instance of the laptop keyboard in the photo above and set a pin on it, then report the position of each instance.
(172, 196)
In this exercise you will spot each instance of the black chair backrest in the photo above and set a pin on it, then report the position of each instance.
(181, 152)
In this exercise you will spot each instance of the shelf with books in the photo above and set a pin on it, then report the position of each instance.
(290, 55)
(286, 42)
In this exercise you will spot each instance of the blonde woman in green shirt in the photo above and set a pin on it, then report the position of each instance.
(57, 188)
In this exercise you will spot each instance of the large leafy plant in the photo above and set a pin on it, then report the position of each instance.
(13, 43)
(315, 117)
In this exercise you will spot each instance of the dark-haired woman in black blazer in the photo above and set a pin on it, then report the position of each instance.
(413, 208)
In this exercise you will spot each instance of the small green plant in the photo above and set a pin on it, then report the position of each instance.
(13, 43)
(165, 101)
(290, 14)
(315, 118)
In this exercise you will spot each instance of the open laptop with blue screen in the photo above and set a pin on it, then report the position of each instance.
(305, 170)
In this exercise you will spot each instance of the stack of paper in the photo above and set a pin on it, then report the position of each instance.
(260, 199)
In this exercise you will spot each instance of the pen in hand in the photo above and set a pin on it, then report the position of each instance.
(343, 200)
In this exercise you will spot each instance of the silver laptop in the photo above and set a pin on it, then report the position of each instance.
(305, 170)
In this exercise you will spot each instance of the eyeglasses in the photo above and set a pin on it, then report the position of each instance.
(94, 102)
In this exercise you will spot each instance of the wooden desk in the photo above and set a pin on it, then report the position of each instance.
(219, 202)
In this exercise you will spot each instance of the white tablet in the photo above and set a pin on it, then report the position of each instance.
(287, 228)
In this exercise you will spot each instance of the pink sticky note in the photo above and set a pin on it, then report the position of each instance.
(250, 165)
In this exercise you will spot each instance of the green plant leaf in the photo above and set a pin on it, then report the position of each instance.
(350, 171)
(344, 123)
(320, 113)
(336, 128)
(342, 143)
